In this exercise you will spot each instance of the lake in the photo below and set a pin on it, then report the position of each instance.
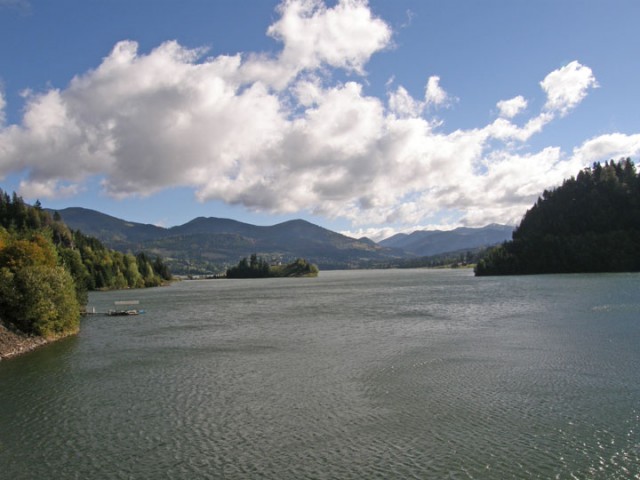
(351, 375)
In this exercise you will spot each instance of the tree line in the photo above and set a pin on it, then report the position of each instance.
(591, 223)
(47, 270)
(258, 267)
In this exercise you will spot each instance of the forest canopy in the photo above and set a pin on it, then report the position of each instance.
(591, 223)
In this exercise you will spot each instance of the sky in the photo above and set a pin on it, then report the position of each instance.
(367, 118)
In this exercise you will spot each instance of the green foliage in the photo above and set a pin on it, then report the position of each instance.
(589, 224)
(39, 299)
(257, 267)
(299, 268)
(24, 252)
(36, 294)
(15, 215)
(109, 269)
(72, 261)
(46, 270)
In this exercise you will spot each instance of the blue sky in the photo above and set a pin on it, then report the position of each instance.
(364, 117)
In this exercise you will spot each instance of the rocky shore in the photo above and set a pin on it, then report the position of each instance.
(14, 343)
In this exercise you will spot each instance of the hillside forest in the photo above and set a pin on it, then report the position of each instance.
(46, 269)
(591, 223)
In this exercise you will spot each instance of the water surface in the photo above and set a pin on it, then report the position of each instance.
(354, 374)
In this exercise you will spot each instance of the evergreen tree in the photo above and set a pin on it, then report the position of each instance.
(589, 224)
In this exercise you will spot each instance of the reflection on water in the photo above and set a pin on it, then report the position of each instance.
(365, 374)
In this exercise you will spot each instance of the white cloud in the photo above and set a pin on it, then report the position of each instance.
(3, 105)
(48, 189)
(275, 134)
(308, 92)
(610, 146)
(434, 93)
(344, 36)
(511, 108)
(403, 104)
(567, 86)
(505, 130)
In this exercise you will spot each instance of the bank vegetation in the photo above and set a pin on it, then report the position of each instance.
(47, 270)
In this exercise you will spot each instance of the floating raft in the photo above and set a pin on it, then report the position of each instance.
(125, 311)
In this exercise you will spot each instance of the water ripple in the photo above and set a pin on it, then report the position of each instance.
(394, 374)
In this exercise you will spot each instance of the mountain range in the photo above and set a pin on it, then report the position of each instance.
(424, 243)
(206, 245)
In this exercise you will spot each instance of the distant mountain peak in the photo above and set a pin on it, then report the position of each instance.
(432, 242)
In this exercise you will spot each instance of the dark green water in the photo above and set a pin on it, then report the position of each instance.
(361, 374)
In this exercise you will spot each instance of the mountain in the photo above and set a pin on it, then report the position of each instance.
(206, 245)
(426, 243)
(116, 233)
(212, 225)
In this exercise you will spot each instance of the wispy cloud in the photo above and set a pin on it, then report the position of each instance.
(277, 134)
(434, 93)
(3, 104)
(22, 6)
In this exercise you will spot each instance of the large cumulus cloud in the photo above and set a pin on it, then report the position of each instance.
(274, 133)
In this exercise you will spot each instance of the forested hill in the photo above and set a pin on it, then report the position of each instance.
(207, 245)
(46, 269)
(589, 224)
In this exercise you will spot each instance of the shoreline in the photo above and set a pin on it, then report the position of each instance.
(14, 343)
